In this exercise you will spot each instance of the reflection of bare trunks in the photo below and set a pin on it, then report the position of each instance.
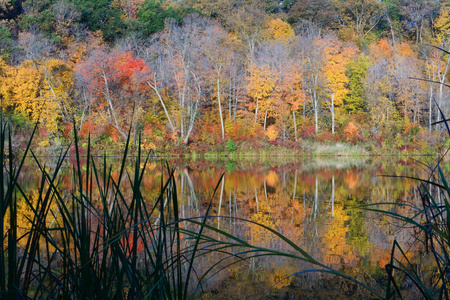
(193, 196)
(257, 203)
(332, 196)
(265, 188)
(295, 186)
(220, 202)
(316, 200)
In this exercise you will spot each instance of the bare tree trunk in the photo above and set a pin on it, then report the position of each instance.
(111, 107)
(155, 89)
(387, 115)
(332, 114)
(314, 104)
(265, 121)
(193, 112)
(331, 107)
(295, 125)
(316, 116)
(256, 110)
(430, 110)
(53, 92)
(304, 110)
(265, 189)
(220, 106)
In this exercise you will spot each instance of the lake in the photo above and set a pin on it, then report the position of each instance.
(315, 202)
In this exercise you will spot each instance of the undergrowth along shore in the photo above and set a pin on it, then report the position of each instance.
(99, 242)
(304, 148)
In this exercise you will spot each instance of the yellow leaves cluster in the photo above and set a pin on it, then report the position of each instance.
(277, 29)
(271, 133)
(39, 90)
(262, 83)
(442, 23)
(337, 56)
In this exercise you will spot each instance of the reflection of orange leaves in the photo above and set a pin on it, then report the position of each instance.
(351, 180)
(272, 178)
(309, 179)
(384, 261)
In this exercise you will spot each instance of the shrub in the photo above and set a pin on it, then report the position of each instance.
(271, 133)
(307, 132)
(230, 146)
(351, 132)
(327, 137)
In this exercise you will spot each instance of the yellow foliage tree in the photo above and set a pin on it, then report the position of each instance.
(38, 90)
(277, 29)
(442, 23)
(337, 56)
(260, 87)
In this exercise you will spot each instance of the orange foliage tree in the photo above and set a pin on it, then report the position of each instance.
(115, 85)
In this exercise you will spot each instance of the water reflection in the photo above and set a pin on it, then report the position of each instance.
(310, 202)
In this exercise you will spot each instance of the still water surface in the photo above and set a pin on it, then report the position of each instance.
(312, 202)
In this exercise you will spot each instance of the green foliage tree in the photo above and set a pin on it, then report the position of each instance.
(39, 13)
(357, 71)
(151, 17)
(99, 15)
(5, 42)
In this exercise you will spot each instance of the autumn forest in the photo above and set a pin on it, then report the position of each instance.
(227, 74)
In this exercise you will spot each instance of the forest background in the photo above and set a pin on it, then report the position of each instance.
(225, 75)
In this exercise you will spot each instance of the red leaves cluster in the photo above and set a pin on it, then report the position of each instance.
(114, 71)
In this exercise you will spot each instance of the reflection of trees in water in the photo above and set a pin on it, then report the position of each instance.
(312, 207)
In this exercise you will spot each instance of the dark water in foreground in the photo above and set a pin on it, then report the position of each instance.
(312, 202)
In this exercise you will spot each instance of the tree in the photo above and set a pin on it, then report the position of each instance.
(183, 68)
(277, 29)
(99, 15)
(65, 17)
(150, 17)
(218, 55)
(418, 14)
(312, 53)
(38, 90)
(337, 57)
(321, 13)
(114, 81)
(364, 15)
(355, 101)
(440, 64)
(10, 9)
(214, 9)
(442, 22)
(247, 22)
(260, 87)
